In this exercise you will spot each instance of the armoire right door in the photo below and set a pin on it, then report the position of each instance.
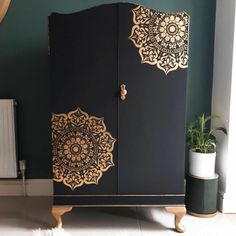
(152, 62)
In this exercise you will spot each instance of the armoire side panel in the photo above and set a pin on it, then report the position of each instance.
(151, 120)
(83, 58)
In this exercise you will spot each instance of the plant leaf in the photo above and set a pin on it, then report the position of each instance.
(220, 129)
(211, 117)
(199, 137)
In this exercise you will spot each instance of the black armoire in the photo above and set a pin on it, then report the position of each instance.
(118, 85)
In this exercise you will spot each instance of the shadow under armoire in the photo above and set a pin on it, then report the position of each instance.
(118, 85)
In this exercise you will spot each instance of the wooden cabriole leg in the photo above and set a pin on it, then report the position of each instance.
(179, 213)
(57, 212)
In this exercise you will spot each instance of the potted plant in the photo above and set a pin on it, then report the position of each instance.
(202, 146)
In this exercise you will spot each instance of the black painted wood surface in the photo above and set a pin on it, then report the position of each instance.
(119, 200)
(83, 57)
(91, 56)
(151, 120)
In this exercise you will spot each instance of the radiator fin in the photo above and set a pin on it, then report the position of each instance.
(8, 159)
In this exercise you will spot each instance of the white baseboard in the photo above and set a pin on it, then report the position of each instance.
(34, 187)
(226, 203)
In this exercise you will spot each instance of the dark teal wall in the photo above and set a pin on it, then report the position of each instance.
(24, 66)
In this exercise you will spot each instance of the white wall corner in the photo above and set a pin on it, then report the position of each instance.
(34, 187)
(226, 203)
(224, 101)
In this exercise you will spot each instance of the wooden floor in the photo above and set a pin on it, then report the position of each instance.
(20, 216)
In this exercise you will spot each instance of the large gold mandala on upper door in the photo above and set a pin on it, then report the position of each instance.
(82, 148)
(162, 38)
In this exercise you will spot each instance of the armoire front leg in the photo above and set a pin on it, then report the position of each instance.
(57, 212)
(179, 213)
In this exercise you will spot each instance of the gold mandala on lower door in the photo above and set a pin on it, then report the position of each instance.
(82, 148)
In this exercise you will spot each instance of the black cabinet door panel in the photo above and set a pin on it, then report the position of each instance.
(92, 53)
(83, 57)
(151, 121)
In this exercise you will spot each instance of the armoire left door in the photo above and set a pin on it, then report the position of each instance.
(83, 57)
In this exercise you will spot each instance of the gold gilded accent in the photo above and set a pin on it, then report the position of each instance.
(123, 92)
(121, 195)
(57, 212)
(110, 205)
(82, 148)
(162, 38)
(179, 213)
(3, 8)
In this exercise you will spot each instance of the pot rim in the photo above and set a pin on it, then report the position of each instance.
(203, 153)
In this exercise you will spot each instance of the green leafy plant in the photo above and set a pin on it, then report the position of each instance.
(199, 137)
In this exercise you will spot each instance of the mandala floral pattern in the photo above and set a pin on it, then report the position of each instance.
(82, 148)
(162, 38)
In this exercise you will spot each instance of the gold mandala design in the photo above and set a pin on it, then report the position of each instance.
(82, 148)
(162, 38)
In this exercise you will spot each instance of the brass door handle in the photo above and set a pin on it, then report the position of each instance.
(123, 92)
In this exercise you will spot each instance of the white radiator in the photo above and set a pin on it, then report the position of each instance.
(8, 159)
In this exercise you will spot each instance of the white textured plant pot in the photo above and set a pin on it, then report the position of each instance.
(202, 164)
